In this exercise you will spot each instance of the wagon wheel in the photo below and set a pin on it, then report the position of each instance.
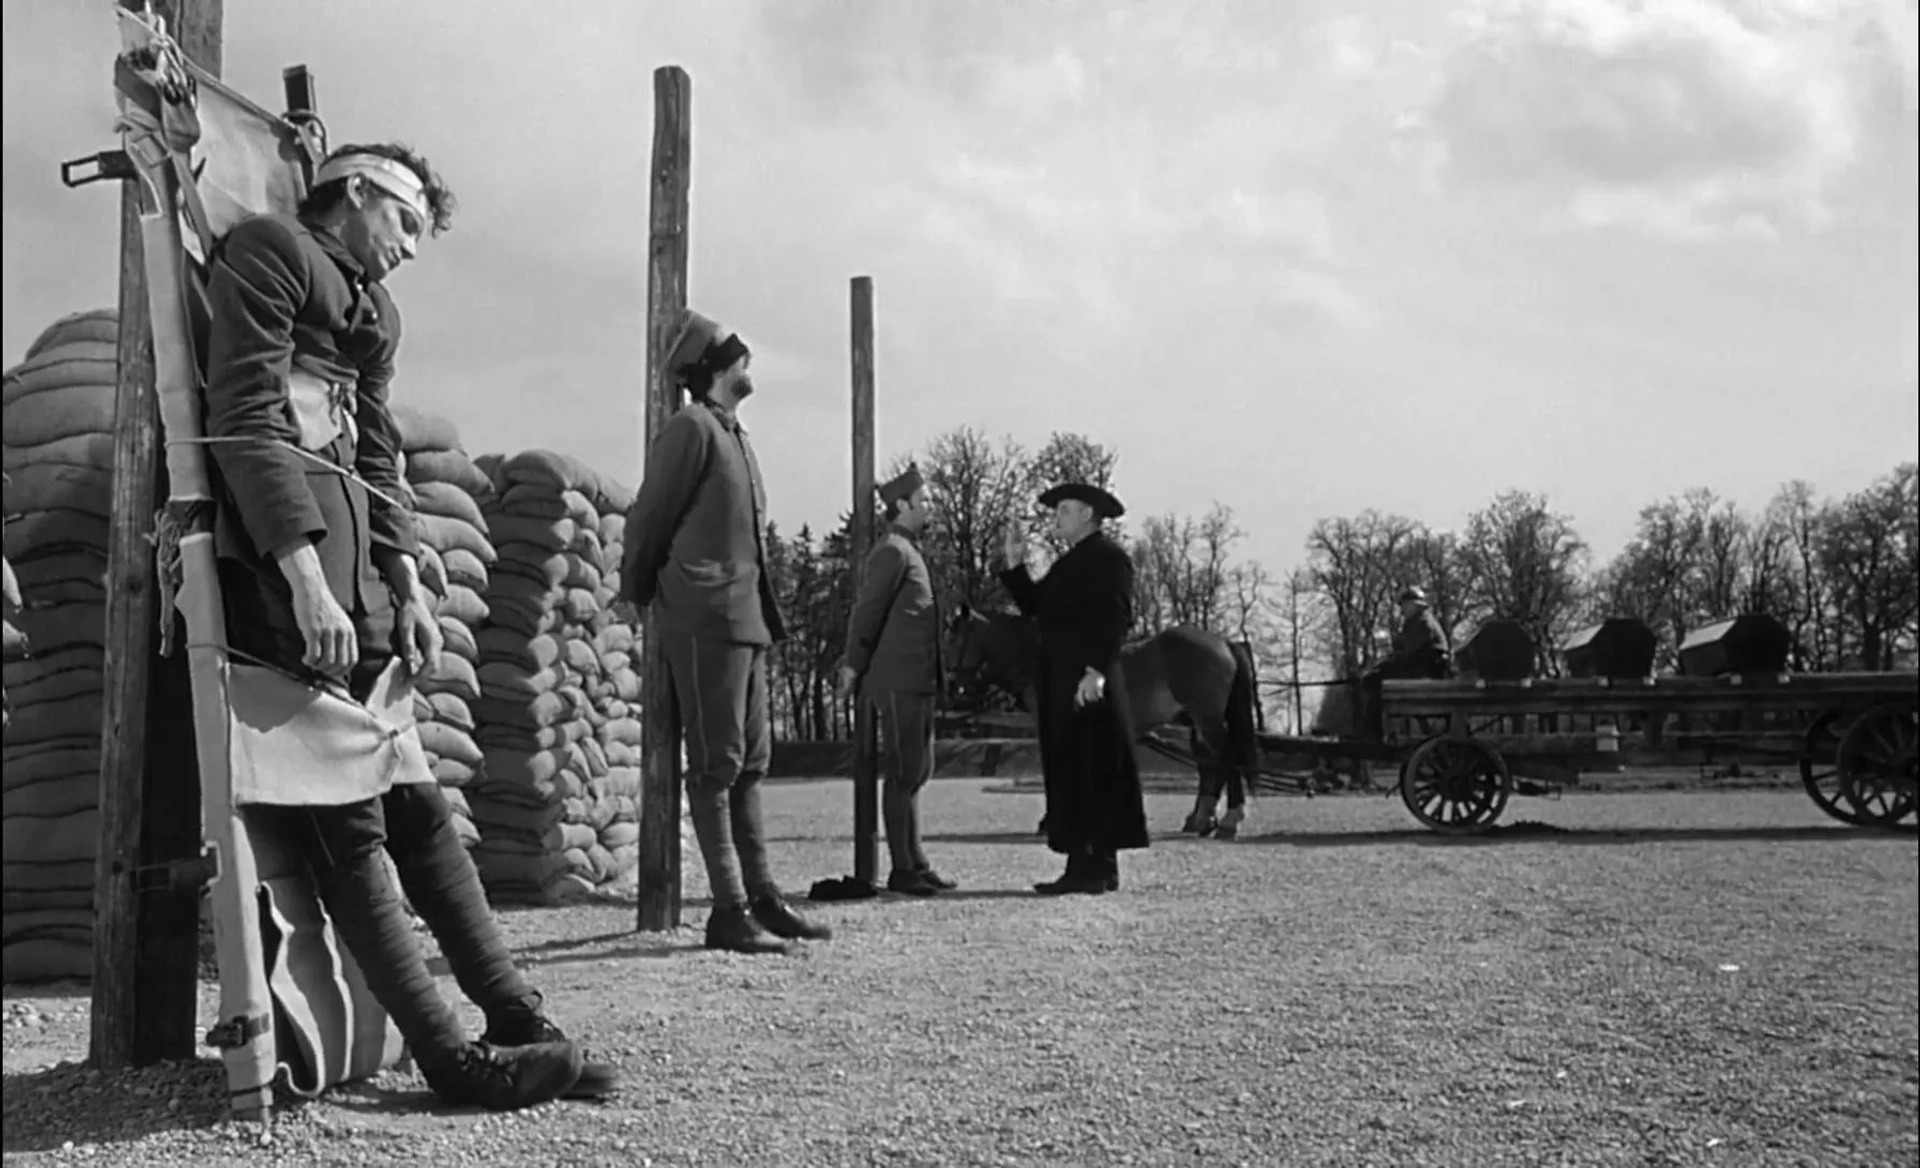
(1878, 761)
(1455, 786)
(1820, 767)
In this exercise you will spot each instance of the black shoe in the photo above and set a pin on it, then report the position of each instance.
(732, 928)
(1109, 872)
(531, 1028)
(911, 882)
(937, 880)
(504, 1078)
(774, 915)
(1080, 878)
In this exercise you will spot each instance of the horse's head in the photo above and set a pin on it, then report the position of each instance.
(989, 650)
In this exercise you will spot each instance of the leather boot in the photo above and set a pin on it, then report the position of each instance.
(503, 1078)
(934, 878)
(732, 928)
(773, 914)
(911, 882)
(1082, 877)
(530, 1027)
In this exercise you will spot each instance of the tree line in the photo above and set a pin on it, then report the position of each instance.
(1842, 574)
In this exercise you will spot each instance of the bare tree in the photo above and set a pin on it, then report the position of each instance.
(1524, 562)
(1354, 564)
(1870, 551)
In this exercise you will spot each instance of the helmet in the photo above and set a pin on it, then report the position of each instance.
(1414, 593)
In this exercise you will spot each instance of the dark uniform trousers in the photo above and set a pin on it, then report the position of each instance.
(721, 690)
(906, 761)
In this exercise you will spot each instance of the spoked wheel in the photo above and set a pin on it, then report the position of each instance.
(1820, 767)
(1455, 786)
(1878, 761)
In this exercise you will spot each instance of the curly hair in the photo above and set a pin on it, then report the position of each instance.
(440, 201)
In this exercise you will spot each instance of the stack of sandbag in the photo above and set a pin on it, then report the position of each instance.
(455, 554)
(57, 438)
(13, 642)
(559, 715)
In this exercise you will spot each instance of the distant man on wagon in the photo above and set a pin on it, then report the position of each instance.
(894, 657)
(1084, 608)
(1419, 651)
(319, 571)
(695, 551)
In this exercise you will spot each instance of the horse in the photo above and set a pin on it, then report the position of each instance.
(1180, 670)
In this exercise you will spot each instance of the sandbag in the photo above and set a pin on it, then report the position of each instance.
(58, 484)
(53, 628)
(57, 414)
(454, 675)
(54, 530)
(458, 639)
(449, 742)
(449, 502)
(443, 535)
(464, 605)
(466, 569)
(421, 431)
(87, 451)
(450, 467)
(92, 325)
(549, 535)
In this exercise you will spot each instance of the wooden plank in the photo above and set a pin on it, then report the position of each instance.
(132, 758)
(866, 768)
(659, 875)
(1669, 695)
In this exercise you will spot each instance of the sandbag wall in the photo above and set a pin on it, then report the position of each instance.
(559, 716)
(57, 438)
(455, 556)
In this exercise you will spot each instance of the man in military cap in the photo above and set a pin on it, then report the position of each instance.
(1084, 606)
(1420, 646)
(1419, 651)
(695, 551)
(893, 655)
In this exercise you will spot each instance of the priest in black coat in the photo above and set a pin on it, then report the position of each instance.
(1084, 607)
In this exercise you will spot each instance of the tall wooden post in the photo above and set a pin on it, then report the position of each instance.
(866, 771)
(659, 877)
(145, 945)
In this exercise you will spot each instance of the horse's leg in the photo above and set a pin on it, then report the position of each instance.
(1200, 821)
(1215, 744)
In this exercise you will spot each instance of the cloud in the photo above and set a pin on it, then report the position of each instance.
(1684, 118)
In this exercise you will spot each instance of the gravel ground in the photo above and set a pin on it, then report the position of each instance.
(1665, 978)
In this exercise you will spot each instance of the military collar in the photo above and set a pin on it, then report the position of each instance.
(725, 416)
(895, 528)
(337, 252)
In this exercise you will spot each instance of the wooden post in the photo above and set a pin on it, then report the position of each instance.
(144, 954)
(659, 877)
(866, 771)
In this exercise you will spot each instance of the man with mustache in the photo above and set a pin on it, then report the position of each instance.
(695, 551)
(319, 572)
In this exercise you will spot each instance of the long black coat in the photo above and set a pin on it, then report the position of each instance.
(1084, 607)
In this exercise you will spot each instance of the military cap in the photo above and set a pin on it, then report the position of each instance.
(1415, 593)
(701, 344)
(1104, 505)
(900, 489)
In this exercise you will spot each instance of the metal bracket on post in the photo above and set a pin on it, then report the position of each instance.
(176, 875)
(109, 165)
(237, 1032)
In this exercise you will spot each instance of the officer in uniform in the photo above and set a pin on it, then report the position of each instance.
(1419, 651)
(894, 657)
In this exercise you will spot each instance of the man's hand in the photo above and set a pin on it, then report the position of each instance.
(1014, 547)
(847, 680)
(1091, 690)
(420, 635)
(333, 647)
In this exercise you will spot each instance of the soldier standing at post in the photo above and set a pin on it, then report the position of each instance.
(894, 657)
(695, 551)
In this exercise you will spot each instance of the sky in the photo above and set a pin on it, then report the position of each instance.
(1301, 258)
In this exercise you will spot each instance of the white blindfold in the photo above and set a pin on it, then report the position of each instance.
(395, 178)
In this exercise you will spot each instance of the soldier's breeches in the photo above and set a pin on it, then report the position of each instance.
(721, 691)
(906, 763)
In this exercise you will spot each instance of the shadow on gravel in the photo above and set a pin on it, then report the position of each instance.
(1527, 833)
(986, 837)
(72, 1102)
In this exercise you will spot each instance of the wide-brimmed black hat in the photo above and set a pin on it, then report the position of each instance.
(1104, 505)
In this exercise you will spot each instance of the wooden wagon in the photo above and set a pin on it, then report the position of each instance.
(1464, 747)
